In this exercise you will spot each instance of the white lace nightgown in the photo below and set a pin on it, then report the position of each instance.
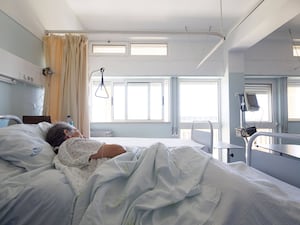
(73, 160)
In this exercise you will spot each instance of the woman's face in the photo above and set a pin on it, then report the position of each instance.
(72, 133)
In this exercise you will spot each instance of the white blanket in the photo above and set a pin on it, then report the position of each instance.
(182, 186)
(157, 186)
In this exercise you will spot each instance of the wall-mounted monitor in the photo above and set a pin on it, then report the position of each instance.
(251, 102)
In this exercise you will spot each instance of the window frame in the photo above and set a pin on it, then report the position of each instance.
(255, 85)
(165, 98)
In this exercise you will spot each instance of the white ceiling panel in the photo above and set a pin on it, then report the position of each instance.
(155, 18)
(160, 15)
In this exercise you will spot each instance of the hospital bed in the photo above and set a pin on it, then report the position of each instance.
(150, 184)
(6, 120)
(201, 138)
(146, 142)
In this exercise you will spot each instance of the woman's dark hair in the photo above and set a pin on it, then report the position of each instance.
(56, 135)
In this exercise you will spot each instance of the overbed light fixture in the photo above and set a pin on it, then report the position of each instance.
(101, 91)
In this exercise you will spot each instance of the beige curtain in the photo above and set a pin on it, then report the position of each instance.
(53, 50)
(66, 91)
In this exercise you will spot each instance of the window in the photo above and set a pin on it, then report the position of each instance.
(293, 100)
(108, 49)
(198, 100)
(149, 49)
(138, 101)
(263, 119)
(263, 95)
(132, 100)
(296, 50)
(136, 49)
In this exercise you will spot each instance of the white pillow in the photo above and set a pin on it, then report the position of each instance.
(24, 145)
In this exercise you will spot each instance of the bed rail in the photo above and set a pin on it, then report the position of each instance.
(11, 117)
(282, 161)
(278, 135)
(203, 137)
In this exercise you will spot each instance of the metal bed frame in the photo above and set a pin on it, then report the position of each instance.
(279, 164)
(11, 117)
(203, 137)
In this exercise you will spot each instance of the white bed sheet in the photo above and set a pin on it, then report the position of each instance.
(250, 197)
(8, 170)
(257, 176)
(40, 196)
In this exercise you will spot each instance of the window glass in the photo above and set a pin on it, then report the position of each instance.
(119, 103)
(263, 119)
(293, 101)
(100, 107)
(108, 49)
(296, 50)
(264, 100)
(198, 100)
(149, 49)
(156, 104)
(138, 101)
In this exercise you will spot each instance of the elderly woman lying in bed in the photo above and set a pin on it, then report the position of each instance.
(68, 142)
(78, 156)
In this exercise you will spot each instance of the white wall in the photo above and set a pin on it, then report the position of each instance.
(183, 58)
(272, 56)
(20, 46)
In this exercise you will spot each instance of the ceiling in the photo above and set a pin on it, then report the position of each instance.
(160, 15)
(132, 17)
